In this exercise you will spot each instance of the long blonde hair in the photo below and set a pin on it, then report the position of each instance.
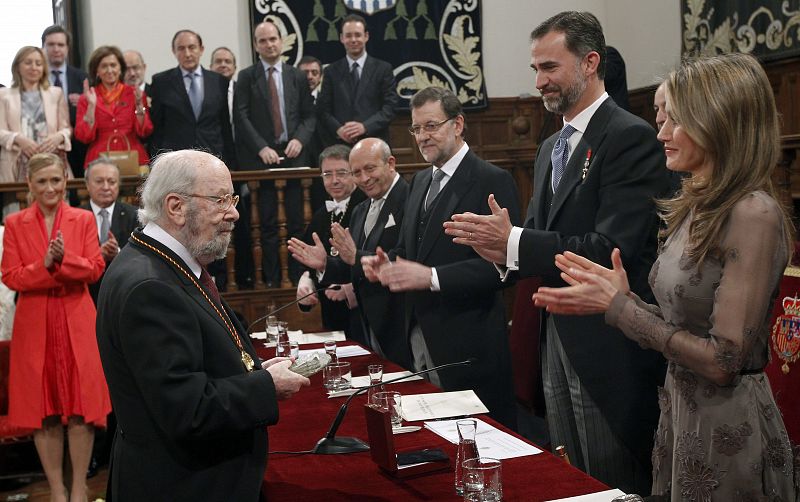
(726, 106)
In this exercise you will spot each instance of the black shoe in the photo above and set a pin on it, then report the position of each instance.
(92, 471)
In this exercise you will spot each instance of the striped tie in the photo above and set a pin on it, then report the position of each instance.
(560, 155)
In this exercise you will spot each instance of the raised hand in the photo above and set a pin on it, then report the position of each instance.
(310, 256)
(486, 234)
(343, 242)
(373, 264)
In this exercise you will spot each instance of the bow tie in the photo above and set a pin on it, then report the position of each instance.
(339, 207)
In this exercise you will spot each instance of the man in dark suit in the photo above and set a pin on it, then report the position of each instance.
(375, 223)
(191, 397)
(56, 42)
(344, 197)
(454, 307)
(189, 109)
(358, 94)
(595, 185)
(274, 120)
(190, 104)
(115, 219)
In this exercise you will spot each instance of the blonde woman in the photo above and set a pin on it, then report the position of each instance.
(33, 116)
(50, 254)
(727, 241)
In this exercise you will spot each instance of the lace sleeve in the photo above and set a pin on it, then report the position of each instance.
(753, 255)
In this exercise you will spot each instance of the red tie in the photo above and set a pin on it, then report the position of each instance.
(275, 105)
(208, 282)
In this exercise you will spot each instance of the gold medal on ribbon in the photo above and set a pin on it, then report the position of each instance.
(248, 362)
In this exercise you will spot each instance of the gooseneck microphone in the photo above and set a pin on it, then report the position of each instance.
(330, 444)
(333, 287)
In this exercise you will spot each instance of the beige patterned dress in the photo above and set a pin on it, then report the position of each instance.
(720, 436)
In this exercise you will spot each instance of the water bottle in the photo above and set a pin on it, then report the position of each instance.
(466, 449)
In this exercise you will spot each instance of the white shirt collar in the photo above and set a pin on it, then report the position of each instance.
(394, 182)
(278, 66)
(62, 69)
(96, 209)
(197, 71)
(581, 121)
(450, 166)
(156, 232)
(360, 61)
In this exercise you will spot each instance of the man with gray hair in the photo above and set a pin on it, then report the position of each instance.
(192, 398)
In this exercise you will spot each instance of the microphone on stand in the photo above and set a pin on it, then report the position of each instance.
(333, 287)
(330, 444)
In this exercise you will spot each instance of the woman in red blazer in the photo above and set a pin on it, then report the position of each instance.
(111, 110)
(50, 254)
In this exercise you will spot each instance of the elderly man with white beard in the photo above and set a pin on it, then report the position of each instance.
(192, 398)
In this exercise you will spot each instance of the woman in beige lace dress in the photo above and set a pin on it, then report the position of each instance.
(727, 241)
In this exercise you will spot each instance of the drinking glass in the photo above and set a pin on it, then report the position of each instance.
(467, 448)
(272, 329)
(288, 349)
(375, 377)
(330, 349)
(390, 401)
(340, 375)
(482, 480)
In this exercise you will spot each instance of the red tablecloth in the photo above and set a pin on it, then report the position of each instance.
(305, 418)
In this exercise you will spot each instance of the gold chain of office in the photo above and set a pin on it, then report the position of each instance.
(247, 360)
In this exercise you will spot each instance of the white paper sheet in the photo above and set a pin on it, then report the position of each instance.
(491, 441)
(347, 351)
(363, 381)
(303, 338)
(605, 496)
(442, 405)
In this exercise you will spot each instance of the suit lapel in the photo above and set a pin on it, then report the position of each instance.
(541, 170)
(50, 110)
(182, 273)
(591, 139)
(180, 88)
(445, 204)
(209, 92)
(414, 205)
(33, 231)
(14, 109)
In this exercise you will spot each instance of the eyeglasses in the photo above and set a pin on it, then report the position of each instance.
(340, 173)
(430, 127)
(221, 202)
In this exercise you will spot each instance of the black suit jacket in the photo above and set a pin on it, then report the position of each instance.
(467, 317)
(335, 315)
(123, 222)
(174, 124)
(251, 104)
(379, 309)
(191, 421)
(373, 103)
(611, 207)
(76, 156)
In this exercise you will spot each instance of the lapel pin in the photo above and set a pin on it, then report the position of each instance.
(585, 169)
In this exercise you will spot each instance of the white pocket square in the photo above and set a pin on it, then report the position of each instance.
(390, 222)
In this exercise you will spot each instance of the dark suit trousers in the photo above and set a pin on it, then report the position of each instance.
(268, 214)
(575, 421)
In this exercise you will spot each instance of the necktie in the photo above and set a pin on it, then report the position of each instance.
(332, 205)
(194, 95)
(275, 104)
(372, 216)
(208, 282)
(560, 155)
(57, 78)
(105, 225)
(354, 76)
(438, 174)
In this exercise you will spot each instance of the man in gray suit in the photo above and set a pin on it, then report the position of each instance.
(274, 121)
(358, 97)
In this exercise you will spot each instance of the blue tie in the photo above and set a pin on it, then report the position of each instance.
(194, 95)
(560, 155)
